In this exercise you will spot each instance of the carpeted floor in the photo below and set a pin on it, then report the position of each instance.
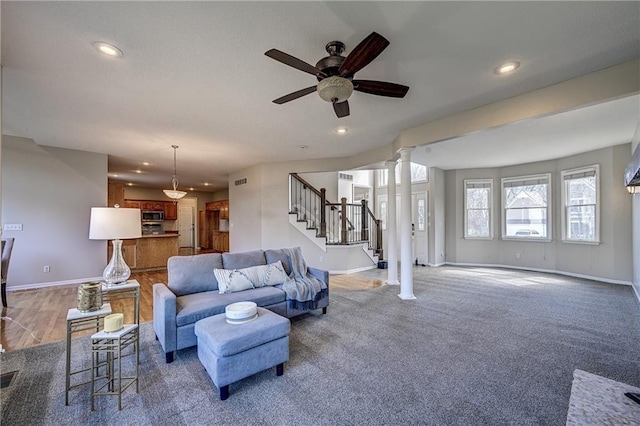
(478, 347)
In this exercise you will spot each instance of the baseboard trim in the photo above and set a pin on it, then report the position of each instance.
(550, 271)
(51, 284)
(351, 271)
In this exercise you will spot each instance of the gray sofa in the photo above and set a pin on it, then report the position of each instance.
(192, 294)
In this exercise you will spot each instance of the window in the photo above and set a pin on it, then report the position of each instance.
(526, 213)
(580, 200)
(383, 214)
(418, 174)
(478, 199)
(421, 214)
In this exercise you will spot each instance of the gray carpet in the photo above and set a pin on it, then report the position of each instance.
(478, 347)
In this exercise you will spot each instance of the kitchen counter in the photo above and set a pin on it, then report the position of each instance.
(149, 251)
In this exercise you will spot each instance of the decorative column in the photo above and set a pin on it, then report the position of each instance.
(406, 263)
(392, 225)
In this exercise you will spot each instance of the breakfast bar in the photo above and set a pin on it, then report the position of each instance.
(149, 251)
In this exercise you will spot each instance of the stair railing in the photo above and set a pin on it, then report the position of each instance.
(339, 223)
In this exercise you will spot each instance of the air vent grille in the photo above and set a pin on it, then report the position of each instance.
(345, 176)
(241, 181)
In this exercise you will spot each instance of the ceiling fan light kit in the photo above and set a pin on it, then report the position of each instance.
(335, 73)
(335, 89)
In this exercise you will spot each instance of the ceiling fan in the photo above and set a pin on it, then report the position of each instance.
(335, 73)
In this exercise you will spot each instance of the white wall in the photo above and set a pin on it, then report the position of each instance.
(50, 191)
(611, 260)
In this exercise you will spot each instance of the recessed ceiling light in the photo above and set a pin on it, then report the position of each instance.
(206, 184)
(130, 184)
(303, 146)
(507, 67)
(191, 189)
(146, 163)
(108, 49)
(138, 171)
(341, 130)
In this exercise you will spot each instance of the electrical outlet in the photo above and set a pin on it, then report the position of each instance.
(46, 268)
(13, 227)
(321, 259)
(518, 255)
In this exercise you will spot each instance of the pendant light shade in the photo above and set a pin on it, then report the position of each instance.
(174, 193)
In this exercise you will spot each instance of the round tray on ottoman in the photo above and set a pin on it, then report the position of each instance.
(241, 312)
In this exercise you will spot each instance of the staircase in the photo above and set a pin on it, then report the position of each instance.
(333, 225)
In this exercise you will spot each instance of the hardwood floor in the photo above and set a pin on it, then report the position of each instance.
(39, 316)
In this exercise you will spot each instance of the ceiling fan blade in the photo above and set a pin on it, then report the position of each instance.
(341, 108)
(296, 63)
(380, 88)
(363, 54)
(295, 95)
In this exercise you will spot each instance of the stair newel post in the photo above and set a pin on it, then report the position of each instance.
(343, 222)
(379, 239)
(364, 218)
(323, 212)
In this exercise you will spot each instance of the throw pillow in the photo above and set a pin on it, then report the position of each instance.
(232, 280)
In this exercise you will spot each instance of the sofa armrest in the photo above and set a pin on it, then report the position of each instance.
(320, 274)
(164, 317)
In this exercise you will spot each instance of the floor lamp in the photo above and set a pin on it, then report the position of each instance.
(114, 223)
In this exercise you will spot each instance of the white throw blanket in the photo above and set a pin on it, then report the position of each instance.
(303, 289)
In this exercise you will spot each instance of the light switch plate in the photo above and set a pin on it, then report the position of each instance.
(13, 227)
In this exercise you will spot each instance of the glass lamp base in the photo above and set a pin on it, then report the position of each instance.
(117, 271)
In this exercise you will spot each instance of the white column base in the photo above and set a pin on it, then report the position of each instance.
(387, 282)
(407, 296)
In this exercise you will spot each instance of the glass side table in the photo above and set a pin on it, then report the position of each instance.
(78, 321)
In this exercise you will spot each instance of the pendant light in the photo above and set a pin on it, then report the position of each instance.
(174, 193)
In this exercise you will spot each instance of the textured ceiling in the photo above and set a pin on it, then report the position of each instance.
(195, 74)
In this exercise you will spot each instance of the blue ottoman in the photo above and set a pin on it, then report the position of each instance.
(231, 352)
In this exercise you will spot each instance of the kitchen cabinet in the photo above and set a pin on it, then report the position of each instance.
(170, 210)
(211, 237)
(148, 252)
(115, 194)
(220, 241)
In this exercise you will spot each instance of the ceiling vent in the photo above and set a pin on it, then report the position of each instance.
(241, 181)
(345, 176)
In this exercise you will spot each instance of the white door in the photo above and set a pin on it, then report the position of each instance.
(186, 226)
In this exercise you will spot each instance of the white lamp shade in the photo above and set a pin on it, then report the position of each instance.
(110, 223)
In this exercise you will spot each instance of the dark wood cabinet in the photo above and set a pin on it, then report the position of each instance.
(211, 237)
(115, 194)
(170, 210)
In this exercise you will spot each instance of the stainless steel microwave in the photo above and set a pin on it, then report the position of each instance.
(152, 216)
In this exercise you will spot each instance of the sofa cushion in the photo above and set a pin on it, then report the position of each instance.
(272, 256)
(194, 307)
(232, 280)
(243, 259)
(193, 274)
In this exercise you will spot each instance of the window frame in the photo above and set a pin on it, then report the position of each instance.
(466, 184)
(549, 215)
(595, 168)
